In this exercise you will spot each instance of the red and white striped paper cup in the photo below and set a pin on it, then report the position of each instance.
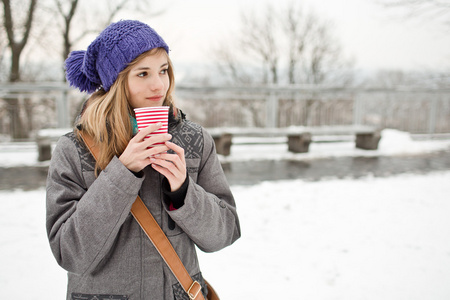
(151, 115)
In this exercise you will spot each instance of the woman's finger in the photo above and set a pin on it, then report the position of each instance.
(168, 170)
(168, 160)
(146, 131)
(156, 151)
(177, 149)
(176, 159)
(136, 155)
(158, 139)
(172, 166)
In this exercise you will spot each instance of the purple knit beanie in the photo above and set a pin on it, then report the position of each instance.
(118, 45)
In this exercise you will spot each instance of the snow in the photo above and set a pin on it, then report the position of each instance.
(375, 238)
(350, 239)
(393, 142)
(19, 154)
(339, 239)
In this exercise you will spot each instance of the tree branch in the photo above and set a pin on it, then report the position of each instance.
(28, 23)
(8, 22)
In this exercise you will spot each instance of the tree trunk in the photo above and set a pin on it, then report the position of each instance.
(18, 131)
(274, 71)
(14, 75)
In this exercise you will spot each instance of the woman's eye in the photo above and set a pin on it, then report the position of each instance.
(164, 71)
(143, 74)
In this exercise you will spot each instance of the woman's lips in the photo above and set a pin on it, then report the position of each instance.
(155, 98)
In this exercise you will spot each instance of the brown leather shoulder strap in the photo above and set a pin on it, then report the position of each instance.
(165, 249)
(157, 237)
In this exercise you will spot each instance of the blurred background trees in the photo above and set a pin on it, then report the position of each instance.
(51, 26)
(283, 45)
(272, 45)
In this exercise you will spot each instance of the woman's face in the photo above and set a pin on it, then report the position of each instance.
(148, 81)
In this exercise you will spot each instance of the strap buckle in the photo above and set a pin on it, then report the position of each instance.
(194, 290)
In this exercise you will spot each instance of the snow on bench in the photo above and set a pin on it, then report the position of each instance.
(298, 138)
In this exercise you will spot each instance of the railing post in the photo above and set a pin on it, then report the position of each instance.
(358, 108)
(272, 110)
(62, 110)
(432, 116)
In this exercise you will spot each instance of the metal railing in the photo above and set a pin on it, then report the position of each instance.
(407, 109)
(55, 105)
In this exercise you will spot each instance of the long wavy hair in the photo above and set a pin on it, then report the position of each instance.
(106, 117)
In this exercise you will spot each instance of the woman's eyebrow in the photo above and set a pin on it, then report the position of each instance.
(141, 68)
(148, 68)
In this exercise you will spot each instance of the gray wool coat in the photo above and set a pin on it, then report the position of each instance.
(93, 235)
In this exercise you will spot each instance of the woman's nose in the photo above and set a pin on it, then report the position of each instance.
(156, 83)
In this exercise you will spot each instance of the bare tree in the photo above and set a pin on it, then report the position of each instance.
(259, 36)
(3, 47)
(312, 55)
(323, 55)
(67, 17)
(229, 65)
(298, 26)
(256, 43)
(16, 45)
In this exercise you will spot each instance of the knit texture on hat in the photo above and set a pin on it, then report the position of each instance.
(118, 45)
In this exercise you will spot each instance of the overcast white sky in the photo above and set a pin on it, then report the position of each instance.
(374, 36)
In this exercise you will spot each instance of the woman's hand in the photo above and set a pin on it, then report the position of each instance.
(137, 154)
(172, 166)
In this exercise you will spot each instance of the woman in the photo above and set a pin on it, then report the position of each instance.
(91, 231)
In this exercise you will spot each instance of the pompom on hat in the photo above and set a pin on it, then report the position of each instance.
(116, 46)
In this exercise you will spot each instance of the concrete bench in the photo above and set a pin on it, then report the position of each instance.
(44, 140)
(298, 138)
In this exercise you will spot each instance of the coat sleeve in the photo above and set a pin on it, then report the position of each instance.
(209, 214)
(82, 224)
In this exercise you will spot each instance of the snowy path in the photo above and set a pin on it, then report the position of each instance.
(373, 238)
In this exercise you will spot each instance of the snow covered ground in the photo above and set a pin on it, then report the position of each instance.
(393, 142)
(370, 238)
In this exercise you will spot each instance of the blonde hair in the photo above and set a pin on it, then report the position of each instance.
(107, 115)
